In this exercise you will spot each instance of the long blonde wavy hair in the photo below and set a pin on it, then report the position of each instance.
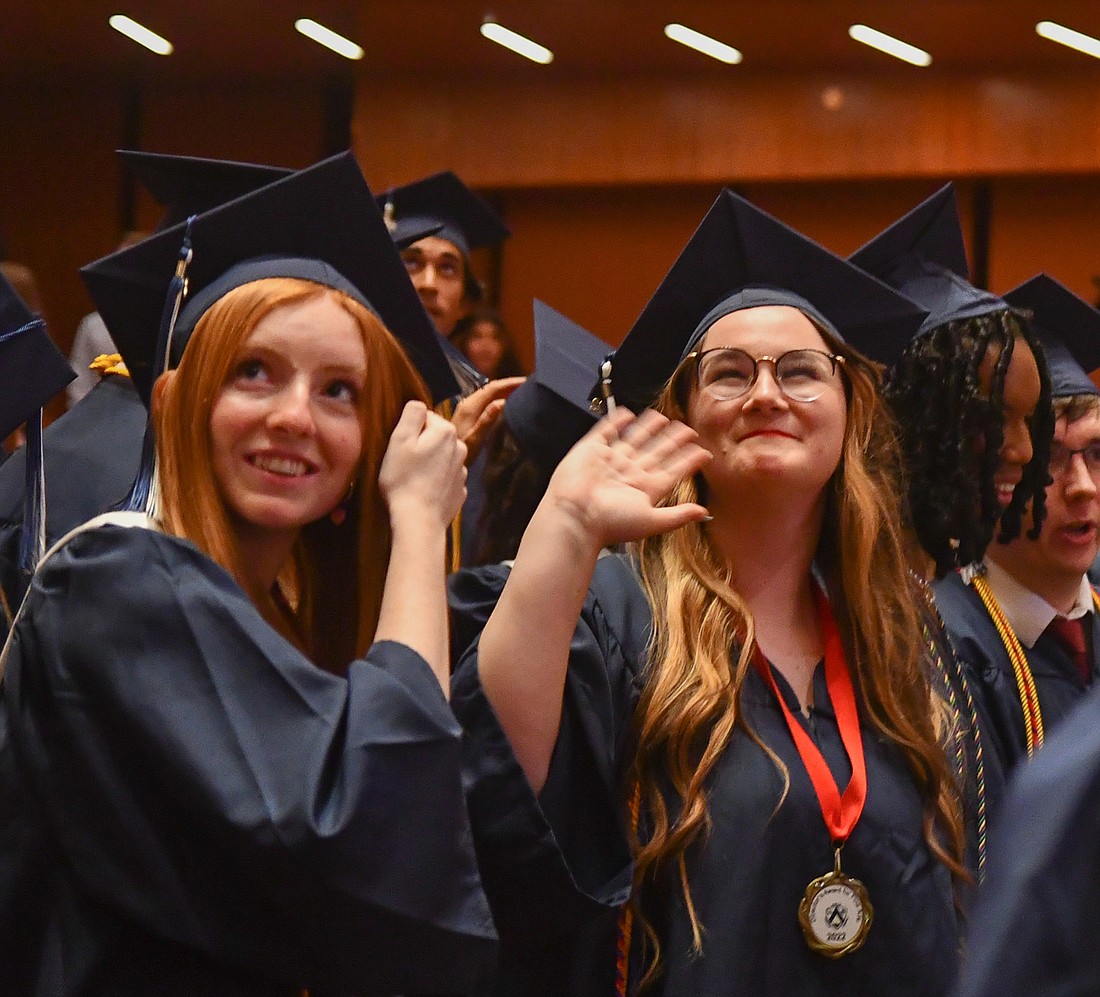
(690, 704)
(332, 587)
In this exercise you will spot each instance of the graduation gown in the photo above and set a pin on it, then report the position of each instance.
(91, 456)
(558, 866)
(191, 807)
(989, 668)
(1034, 929)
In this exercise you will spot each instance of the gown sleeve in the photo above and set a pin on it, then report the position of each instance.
(557, 864)
(207, 783)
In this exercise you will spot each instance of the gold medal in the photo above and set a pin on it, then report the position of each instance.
(835, 913)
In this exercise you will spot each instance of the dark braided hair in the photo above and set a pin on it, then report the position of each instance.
(942, 414)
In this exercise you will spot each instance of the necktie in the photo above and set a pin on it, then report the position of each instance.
(1071, 635)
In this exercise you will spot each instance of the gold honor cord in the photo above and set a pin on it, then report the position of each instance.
(1025, 682)
(626, 914)
(109, 363)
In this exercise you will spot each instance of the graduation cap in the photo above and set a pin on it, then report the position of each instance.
(443, 200)
(320, 224)
(32, 371)
(1069, 328)
(551, 410)
(190, 185)
(741, 257)
(923, 255)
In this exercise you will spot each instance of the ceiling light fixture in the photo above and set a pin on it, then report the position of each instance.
(329, 38)
(139, 33)
(516, 42)
(890, 45)
(703, 43)
(1068, 37)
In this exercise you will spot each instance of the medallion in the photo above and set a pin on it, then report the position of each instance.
(835, 914)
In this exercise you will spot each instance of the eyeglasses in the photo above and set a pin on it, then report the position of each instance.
(727, 373)
(1061, 457)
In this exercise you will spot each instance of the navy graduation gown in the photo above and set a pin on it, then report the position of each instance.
(1034, 928)
(192, 807)
(558, 866)
(989, 668)
(91, 457)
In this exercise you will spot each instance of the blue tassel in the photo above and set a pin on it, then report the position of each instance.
(32, 540)
(137, 500)
(143, 496)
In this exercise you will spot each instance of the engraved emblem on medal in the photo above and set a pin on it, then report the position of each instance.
(835, 914)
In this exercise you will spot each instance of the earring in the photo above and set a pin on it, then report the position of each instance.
(340, 513)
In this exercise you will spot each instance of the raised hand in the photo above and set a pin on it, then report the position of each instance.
(423, 472)
(477, 413)
(611, 484)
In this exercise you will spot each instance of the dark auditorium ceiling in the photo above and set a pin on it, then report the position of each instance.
(255, 38)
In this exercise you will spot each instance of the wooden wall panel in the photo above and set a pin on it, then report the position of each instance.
(1046, 223)
(58, 190)
(749, 127)
(595, 255)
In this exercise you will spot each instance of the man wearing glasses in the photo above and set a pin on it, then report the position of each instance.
(1025, 621)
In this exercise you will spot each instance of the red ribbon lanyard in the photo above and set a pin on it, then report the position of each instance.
(841, 813)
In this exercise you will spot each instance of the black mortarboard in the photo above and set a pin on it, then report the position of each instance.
(551, 410)
(1069, 328)
(189, 185)
(742, 257)
(443, 200)
(319, 223)
(32, 371)
(923, 255)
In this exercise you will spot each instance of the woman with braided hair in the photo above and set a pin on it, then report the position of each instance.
(956, 380)
(971, 392)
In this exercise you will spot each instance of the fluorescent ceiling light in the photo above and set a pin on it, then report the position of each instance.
(890, 45)
(1067, 36)
(703, 43)
(329, 38)
(140, 34)
(517, 43)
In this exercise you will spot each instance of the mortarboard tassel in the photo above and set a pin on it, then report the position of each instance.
(468, 376)
(145, 492)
